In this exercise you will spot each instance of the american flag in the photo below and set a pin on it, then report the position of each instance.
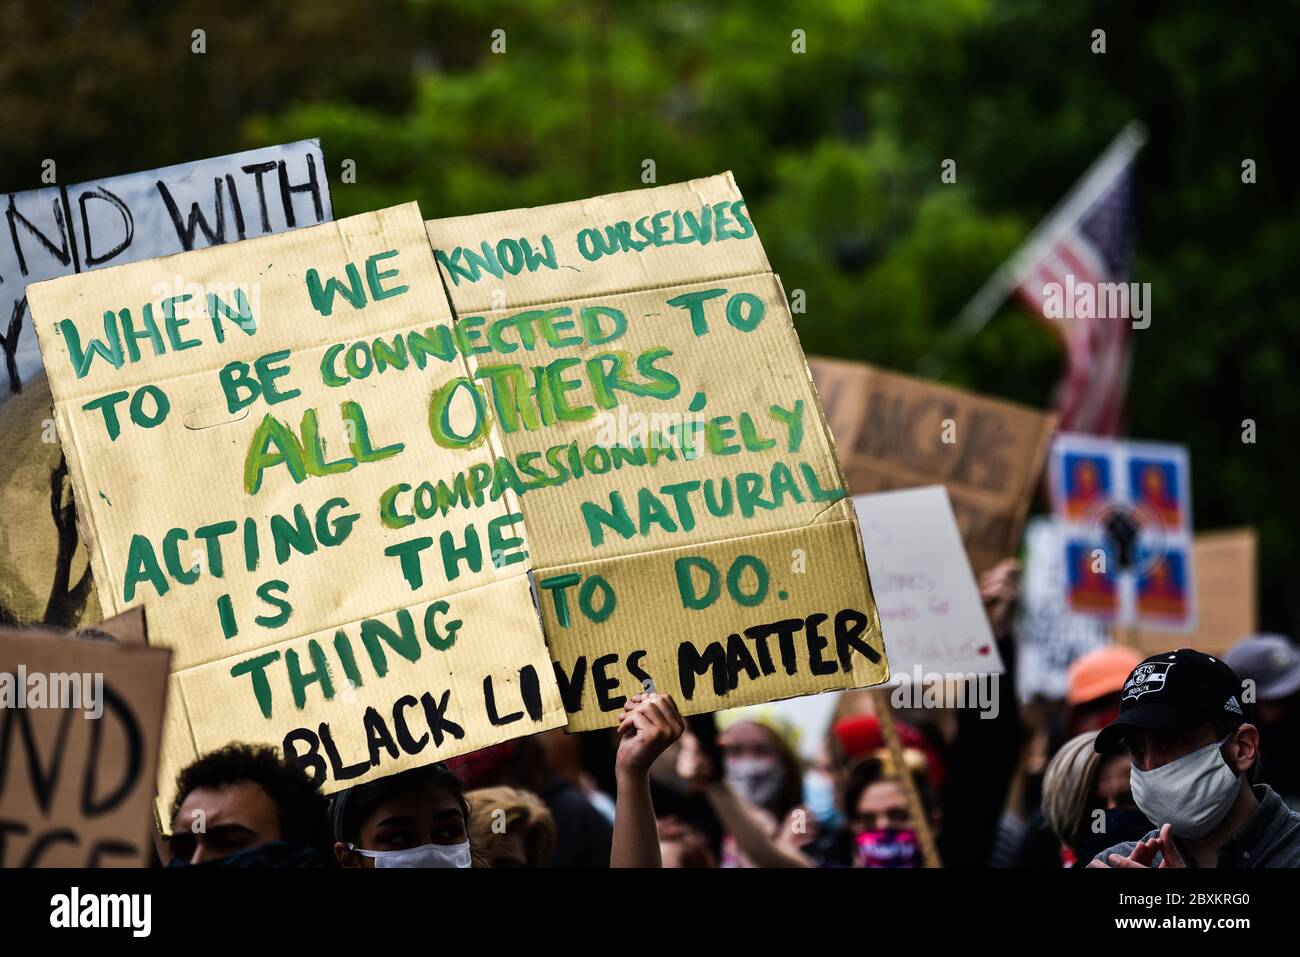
(1096, 248)
(1088, 238)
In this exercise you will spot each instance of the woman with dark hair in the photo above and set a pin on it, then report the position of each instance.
(416, 818)
(882, 826)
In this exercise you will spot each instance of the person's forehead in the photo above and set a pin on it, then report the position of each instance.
(1147, 737)
(1114, 772)
(1115, 764)
(748, 733)
(882, 794)
(240, 802)
(421, 803)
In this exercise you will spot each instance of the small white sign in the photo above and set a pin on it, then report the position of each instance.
(930, 608)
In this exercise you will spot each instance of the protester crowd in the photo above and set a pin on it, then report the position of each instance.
(1177, 760)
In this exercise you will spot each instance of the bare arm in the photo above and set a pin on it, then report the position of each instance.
(649, 724)
(751, 829)
(746, 823)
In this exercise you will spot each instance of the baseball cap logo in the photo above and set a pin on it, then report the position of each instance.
(1146, 678)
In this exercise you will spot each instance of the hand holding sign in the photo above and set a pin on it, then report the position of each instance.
(648, 725)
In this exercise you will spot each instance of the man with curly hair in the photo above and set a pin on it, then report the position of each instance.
(243, 806)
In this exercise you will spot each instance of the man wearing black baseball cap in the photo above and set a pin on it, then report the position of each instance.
(1193, 748)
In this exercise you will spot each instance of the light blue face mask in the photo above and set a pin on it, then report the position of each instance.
(819, 799)
(427, 855)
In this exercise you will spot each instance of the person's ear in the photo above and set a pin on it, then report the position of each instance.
(346, 856)
(1244, 748)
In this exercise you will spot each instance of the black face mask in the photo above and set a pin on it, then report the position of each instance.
(276, 854)
(1122, 824)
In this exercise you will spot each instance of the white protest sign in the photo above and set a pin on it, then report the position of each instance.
(930, 608)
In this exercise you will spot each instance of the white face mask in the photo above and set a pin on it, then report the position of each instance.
(1192, 794)
(757, 780)
(427, 855)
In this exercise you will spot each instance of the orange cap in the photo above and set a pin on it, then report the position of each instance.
(1100, 673)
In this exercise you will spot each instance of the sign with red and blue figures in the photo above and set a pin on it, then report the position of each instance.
(1126, 512)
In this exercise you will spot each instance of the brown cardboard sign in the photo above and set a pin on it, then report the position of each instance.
(247, 428)
(1226, 597)
(895, 431)
(686, 517)
(80, 725)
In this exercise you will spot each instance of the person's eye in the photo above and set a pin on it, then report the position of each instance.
(394, 839)
(182, 847)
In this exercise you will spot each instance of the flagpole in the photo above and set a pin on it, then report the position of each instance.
(982, 306)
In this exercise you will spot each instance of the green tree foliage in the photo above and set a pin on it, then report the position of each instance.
(838, 149)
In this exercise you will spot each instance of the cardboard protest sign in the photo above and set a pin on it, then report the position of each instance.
(80, 721)
(247, 455)
(894, 431)
(44, 568)
(1049, 637)
(1126, 515)
(687, 523)
(1226, 596)
(60, 230)
(929, 603)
